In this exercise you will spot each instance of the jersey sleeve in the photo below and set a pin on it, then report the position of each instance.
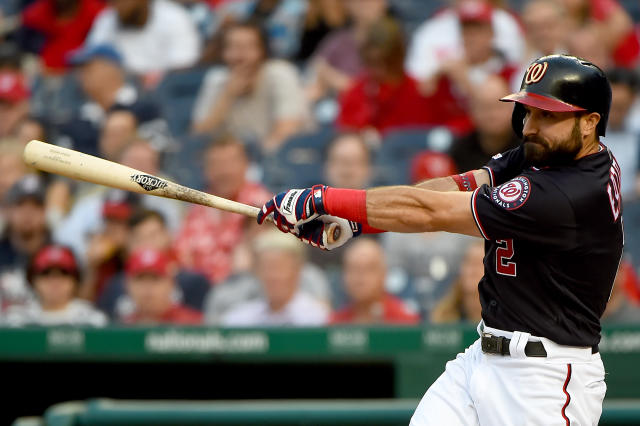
(527, 207)
(506, 165)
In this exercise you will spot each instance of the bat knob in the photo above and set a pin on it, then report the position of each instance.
(336, 233)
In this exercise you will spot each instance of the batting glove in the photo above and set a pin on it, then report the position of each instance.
(295, 207)
(319, 232)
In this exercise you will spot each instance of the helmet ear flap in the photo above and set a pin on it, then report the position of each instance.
(517, 118)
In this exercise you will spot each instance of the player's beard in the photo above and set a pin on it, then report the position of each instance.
(540, 153)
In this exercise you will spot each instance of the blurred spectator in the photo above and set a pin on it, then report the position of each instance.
(281, 19)
(14, 101)
(55, 278)
(11, 164)
(619, 308)
(255, 98)
(24, 234)
(323, 17)
(106, 246)
(479, 59)
(150, 285)
(462, 302)
(439, 40)
(64, 25)
(621, 139)
(337, 61)
(31, 128)
(492, 132)
(279, 260)
(384, 97)
(85, 216)
(208, 239)
(422, 266)
(104, 83)
(364, 275)
(154, 36)
(546, 33)
(613, 29)
(148, 230)
(584, 42)
(348, 163)
(119, 130)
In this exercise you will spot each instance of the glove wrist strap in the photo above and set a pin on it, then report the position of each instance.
(350, 204)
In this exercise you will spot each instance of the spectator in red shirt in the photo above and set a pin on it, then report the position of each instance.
(364, 278)
(64, 25)
(151, 284)
(211, 240)
(385, 97)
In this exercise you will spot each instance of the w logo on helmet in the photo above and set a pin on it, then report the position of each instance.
(535, 72)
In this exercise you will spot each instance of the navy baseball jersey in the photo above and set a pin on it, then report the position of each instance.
(553, 244)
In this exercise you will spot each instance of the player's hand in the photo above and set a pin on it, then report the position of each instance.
(320, 232)
(295, 207)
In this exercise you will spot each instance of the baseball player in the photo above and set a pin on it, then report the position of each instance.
(550, 212)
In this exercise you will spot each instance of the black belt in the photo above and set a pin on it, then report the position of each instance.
(500, 345)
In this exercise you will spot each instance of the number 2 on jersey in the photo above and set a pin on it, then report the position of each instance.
(504, 253)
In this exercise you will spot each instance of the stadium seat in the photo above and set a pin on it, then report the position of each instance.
(177, 93)
(298, 163)
(393, 159)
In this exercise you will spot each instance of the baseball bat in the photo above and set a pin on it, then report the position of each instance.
(77, 165)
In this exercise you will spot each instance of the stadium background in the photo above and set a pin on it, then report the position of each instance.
(353, 93)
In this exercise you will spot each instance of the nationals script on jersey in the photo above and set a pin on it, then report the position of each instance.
(553, 244)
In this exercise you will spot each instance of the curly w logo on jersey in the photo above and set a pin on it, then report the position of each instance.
(512, 194)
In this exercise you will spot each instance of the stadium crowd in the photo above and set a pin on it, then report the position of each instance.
(244, 98)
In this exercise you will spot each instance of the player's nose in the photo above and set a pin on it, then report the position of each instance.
(530, 125)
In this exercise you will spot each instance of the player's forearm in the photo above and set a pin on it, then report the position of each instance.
(404, 209)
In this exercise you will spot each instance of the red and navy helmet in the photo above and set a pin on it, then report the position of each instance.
(562, 83)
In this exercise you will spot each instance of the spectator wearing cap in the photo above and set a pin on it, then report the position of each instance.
(279, 259)
(25, 232)
(385, 97)
(622, 139)
(479, 59)
(14, 101)
(364, 278)
(85, 216)
(154, 36)
(439, 40)
(106, 245)
(64, 24)
(492, 132)
(150, 284)
(148, 230)
(423, 266)
(55, 277)
(254, 97)
(209, 239)
(106, 88)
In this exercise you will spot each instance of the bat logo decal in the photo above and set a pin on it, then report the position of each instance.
(148, 182)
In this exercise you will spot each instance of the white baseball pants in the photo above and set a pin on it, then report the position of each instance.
(565, 388)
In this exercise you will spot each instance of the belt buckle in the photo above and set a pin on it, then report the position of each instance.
(492, 344)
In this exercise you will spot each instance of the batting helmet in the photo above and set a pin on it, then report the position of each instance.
(562, 83)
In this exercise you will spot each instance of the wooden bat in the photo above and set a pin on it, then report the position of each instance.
(77, 165)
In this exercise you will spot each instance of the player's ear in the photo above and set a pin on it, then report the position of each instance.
(589, 122)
